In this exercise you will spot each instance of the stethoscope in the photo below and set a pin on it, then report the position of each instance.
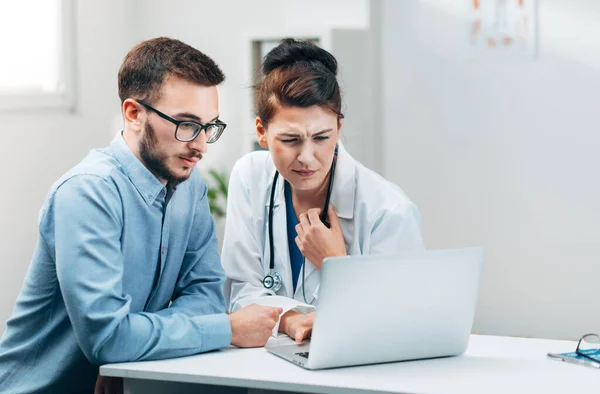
(273, 280)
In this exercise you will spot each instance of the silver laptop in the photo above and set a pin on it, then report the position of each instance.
(376, 309)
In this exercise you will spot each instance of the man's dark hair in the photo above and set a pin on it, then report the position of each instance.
(149, 63)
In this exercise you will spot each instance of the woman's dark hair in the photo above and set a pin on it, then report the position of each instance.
(149, 63)
(297, 74)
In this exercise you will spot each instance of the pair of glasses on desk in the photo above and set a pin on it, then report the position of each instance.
(589, 345)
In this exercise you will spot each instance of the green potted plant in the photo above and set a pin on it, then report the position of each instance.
(217, 192)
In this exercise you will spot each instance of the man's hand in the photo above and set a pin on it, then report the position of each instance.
(252, 325)
(296, 325)
(316, 241)
(108, 385)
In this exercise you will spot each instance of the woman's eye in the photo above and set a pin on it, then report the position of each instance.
(290, 141)
(322, 137)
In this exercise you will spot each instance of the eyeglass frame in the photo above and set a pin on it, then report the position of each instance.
(203, 127)
(580, 353)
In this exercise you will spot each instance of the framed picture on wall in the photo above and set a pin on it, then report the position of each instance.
(503, 29)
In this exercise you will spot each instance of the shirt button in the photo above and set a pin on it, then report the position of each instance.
(163, 250)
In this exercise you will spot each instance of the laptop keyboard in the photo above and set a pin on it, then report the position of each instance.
(302, 354)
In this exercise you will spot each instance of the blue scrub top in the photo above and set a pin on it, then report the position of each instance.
(296, 257)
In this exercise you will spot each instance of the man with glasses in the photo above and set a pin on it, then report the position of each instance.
(126, 265)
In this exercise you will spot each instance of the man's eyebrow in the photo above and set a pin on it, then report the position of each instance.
(194, 117)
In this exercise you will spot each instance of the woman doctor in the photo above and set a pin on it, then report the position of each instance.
(305, 198)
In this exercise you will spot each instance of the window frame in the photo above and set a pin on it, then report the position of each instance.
(65, 98)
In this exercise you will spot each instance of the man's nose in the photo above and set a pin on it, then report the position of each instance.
(199, 143)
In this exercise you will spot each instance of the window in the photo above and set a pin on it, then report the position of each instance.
(36, 70)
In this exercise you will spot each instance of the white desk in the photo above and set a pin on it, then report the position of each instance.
(490, 365)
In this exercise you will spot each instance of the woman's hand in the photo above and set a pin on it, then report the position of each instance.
(297, 325)
(315, 240)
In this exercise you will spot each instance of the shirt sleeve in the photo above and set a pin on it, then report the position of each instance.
(86, 216)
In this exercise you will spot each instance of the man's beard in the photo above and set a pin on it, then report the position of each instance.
(155, 159)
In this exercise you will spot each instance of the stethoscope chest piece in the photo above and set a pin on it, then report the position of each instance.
(272, 281)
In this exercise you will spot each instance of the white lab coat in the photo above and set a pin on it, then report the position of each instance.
(375, 215)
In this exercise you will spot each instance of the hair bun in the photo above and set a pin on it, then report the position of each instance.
(292, 51)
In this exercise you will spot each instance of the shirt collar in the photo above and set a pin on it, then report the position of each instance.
(344, 184)
(146, 183)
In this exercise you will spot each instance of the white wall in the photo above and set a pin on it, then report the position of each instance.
(39, 146)
(503, 155)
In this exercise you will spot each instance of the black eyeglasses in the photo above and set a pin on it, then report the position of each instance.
(186, 130)
(589, 345)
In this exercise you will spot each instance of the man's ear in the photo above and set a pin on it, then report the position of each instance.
(132, 115)
(261, 133)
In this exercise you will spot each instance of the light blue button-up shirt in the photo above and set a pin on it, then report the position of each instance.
(104, 271)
